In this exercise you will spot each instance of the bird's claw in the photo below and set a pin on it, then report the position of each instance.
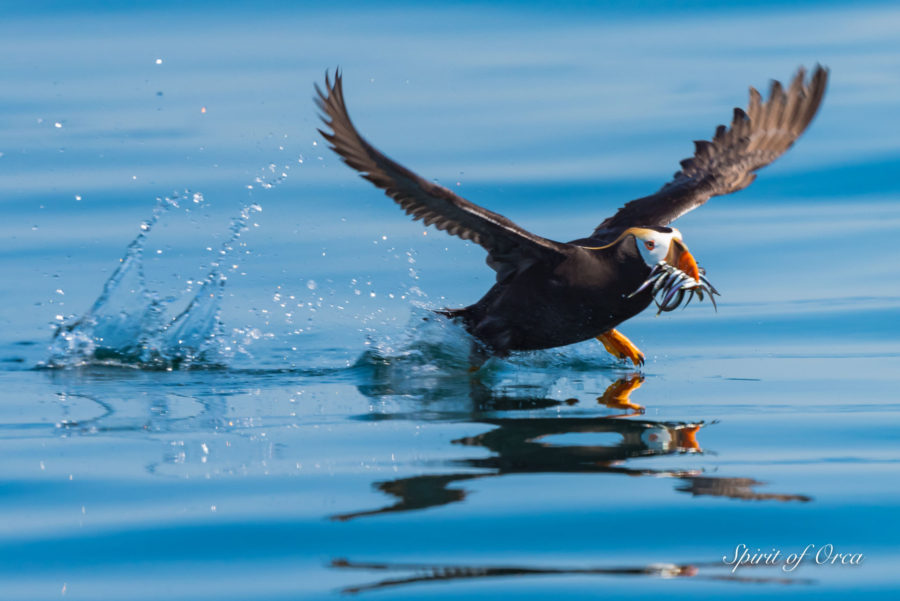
(620, 347)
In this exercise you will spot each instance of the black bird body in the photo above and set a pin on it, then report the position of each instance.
(550, 293)
(549, 305)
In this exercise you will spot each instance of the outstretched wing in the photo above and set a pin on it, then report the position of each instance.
(510, 247)
(728, 163)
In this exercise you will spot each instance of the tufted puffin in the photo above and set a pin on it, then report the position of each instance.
(549, 293)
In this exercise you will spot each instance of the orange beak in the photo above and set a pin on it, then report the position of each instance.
(680, 257)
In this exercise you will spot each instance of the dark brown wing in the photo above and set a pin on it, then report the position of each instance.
(510, 247)
(728, 163)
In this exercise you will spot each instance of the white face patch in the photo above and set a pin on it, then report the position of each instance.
(653, 245)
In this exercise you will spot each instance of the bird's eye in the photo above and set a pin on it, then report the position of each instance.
(650, 244)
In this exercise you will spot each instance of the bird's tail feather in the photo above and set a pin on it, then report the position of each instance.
(453, 313)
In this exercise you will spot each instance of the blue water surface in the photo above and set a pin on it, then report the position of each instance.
(309, 430)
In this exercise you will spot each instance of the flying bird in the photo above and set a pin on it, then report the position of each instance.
(549, 293)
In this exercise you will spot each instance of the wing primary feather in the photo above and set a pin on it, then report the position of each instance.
(729, 162)
(510, 247)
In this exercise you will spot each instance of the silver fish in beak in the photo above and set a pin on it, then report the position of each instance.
(677, 278)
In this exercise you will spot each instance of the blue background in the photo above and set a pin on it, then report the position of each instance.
(126, 483)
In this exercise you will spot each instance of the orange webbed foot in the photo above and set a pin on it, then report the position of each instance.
(618, 345)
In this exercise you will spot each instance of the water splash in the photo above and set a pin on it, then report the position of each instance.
(429, 343)
(430, 365)
(130, 326)
(433, 345)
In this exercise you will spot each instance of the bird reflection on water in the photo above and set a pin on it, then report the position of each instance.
(520, 445)
(536, 445)
(422, 573)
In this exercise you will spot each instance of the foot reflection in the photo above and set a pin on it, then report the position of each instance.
(586, 445)
(618, 395)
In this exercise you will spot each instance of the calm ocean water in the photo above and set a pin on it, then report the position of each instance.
(316, 433)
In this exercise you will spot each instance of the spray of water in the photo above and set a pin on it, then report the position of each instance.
(129, 325)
